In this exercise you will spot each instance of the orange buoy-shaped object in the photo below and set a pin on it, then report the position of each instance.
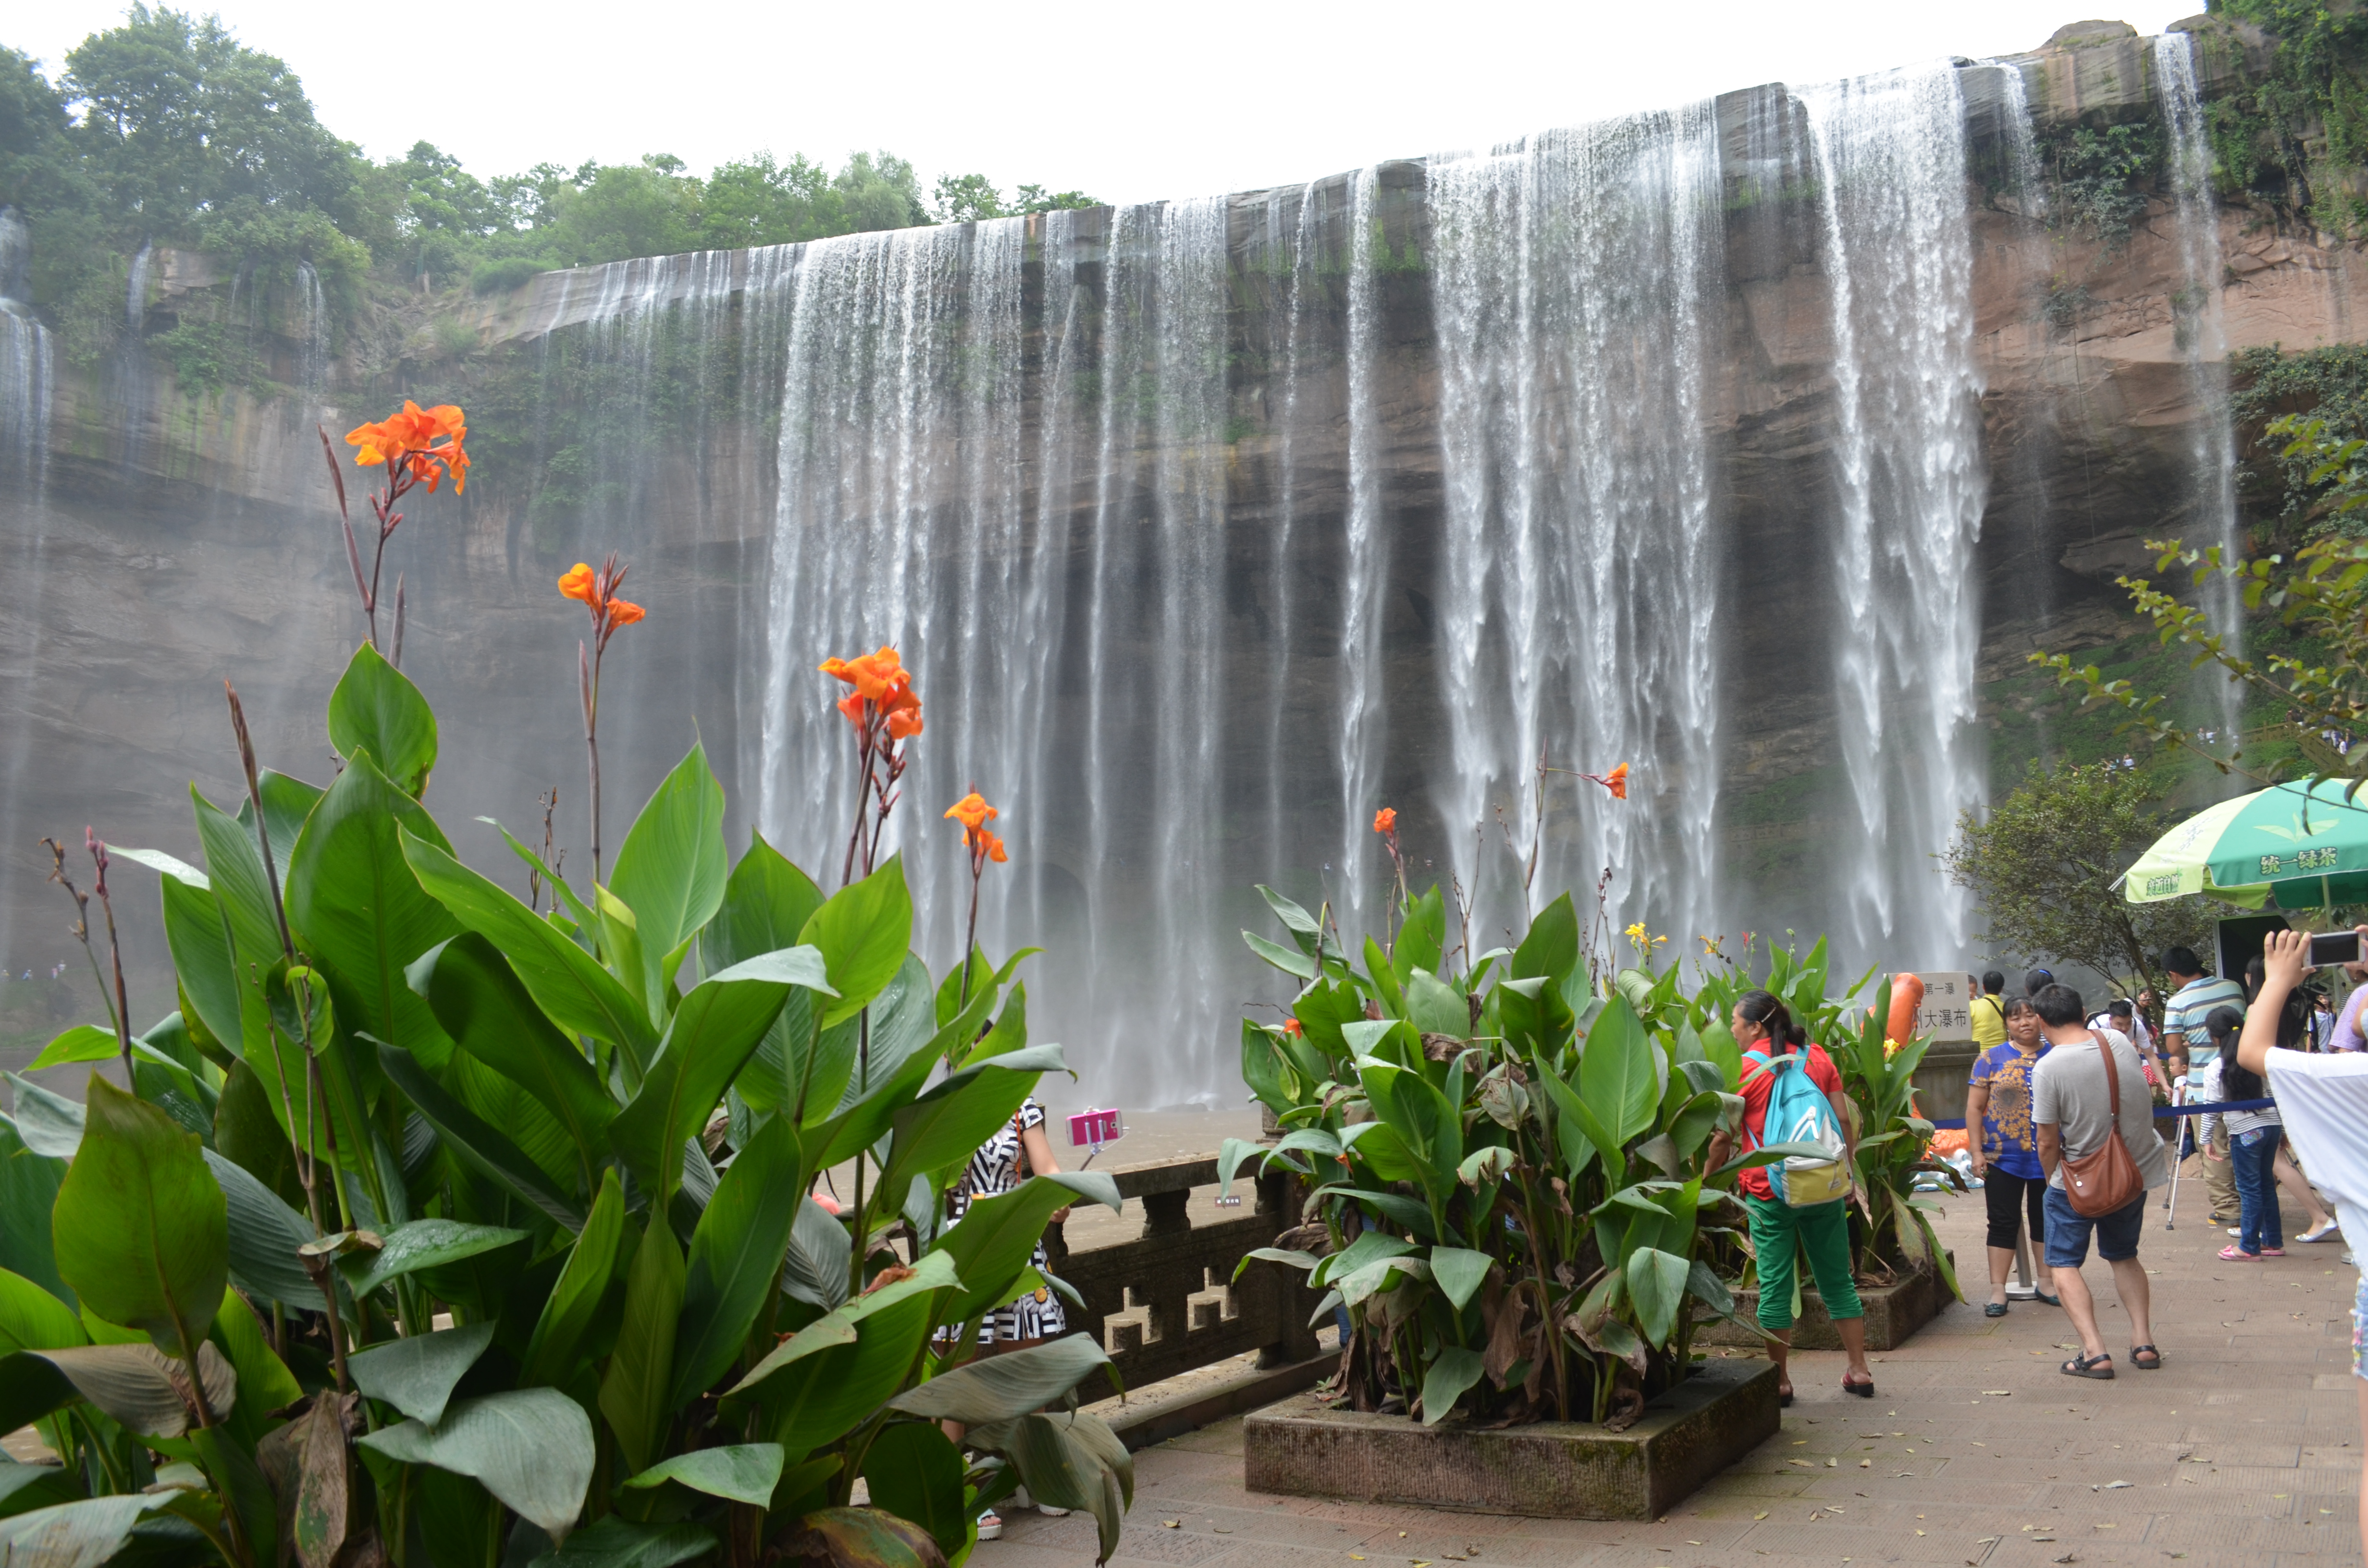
(1906, 996)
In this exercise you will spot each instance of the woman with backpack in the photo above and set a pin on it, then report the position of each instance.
(1792, 1094)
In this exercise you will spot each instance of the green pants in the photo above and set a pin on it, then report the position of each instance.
(1778, 1230)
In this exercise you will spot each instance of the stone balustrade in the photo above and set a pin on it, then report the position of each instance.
(1165, 1301)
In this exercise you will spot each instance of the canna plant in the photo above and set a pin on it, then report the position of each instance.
(1510, 1191)
(432, 1229)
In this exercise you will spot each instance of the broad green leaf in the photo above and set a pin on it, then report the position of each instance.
(28, 1189)
(286, 804)
(567, 983)
(1421, 941)
(264, 1233)
(24, 1488)
(567, 1313)
(84, 1534)
(635, 1392)
(712, 1035)
(234, 872)
(1618, 1072)
(934, 1272)
(673, 868)
(468, 1135)
(199, 939)
(417, 1375)
(1304, 931)
(361, 914)
(502, 1101)
(813, 1403)
(1458, 1272)
(620, 1542)
(992, 1243)
(1550, 948)
(862, 931)
(49, 1123)
(83, 1042)
(635, 962)
(1434, 1007)
(738, 1473)
(375, 709)
(766, 903)
(137, 1385)
(954, 1117)
(1656, 1283)
(1302, 965)
(1002, 1387)
(1071, 1461)
(482, 1005)
(1451, 1374)
(265, 1383)
(916, 1473)
(816, 1270)
(531, 1448)
(32, 1319)
(140, 1230)
(32, 1389)
(736, 1257)
(423, 1243)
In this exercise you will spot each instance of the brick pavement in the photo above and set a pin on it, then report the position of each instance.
(2245, 1448)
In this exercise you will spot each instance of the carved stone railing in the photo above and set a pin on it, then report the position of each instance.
(1166, 1302)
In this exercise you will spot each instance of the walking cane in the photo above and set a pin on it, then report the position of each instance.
(2178, 1159)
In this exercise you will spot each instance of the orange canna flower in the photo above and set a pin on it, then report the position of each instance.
(597, 592)
(972, 811)
(1293, 1027)
(624, 612)
(577, 582)
(882, 682)
(905, 725)
(994, 847)
(1385, 821)
(408, 439)
(1617, 782)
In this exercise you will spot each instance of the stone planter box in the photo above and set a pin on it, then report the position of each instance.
(1893, 1312)
(1549, 1470)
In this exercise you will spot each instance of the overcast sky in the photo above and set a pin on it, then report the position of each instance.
(1128, 102)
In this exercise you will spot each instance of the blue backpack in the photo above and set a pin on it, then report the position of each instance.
(1798, 1112)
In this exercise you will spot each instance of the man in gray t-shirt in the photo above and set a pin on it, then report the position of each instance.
(2072, 1115)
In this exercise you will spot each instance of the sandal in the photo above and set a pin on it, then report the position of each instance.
(2237, 1255)
(2273, 1252)
(990, 1527)
(1993, 1309)
(1784, 1399)
(2138, 1357)
(2099, 1366)
(1863, 1391)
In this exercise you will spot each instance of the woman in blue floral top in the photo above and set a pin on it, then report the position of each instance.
(2006, 1157)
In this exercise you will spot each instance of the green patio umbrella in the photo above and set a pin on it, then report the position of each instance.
(2300, 845)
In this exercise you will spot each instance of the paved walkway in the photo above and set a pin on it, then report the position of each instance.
(2245, 1448)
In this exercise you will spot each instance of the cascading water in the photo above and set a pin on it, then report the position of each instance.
(1572, 277)
(26, 372)
(1910, 483)
(312, 331)
(2202, 341)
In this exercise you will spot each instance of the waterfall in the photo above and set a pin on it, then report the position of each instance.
(1361, 701)
(1572, 277)
(25, 361)
(311, 332)
(2196, 312)
(1910, 484)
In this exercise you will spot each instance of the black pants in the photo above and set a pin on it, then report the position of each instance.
(2006, 1194)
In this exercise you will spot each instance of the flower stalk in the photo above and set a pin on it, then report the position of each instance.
(118, 1013)
(596, 591)
(416, 447)
(973, 811)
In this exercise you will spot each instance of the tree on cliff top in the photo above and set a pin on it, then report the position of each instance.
(2044, 867)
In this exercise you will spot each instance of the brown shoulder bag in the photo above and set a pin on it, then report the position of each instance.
(2105, 1180)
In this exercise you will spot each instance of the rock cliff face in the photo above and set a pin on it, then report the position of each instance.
(1213, 522)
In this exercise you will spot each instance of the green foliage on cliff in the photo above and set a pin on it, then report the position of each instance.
(2286, 496)
(168, 130)
(2299, 138)
(2098, 178)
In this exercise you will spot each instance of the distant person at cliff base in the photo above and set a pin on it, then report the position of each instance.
(2006, 1159)
(1988, 1012)
(1765, 1031)
(2324, 1099)
(2074, 1109)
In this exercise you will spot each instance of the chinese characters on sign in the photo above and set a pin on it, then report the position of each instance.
(2305, 861)
(1946, 1010)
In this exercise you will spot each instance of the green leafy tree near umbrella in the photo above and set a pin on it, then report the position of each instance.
(2044, 866)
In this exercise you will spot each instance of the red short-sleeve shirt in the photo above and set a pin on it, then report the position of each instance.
(1758, 1085)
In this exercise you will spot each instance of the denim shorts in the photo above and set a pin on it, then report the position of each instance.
(2068, 1232)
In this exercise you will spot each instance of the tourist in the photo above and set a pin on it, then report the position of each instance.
(2347, 1035)
(1017, 1150)
(2253, 1135)
(1988, 1013)
(2324, 1100)
(2075, 1109)
(2034, 980)
(2006, 1155)
(1764, 1029)
(2192, 997)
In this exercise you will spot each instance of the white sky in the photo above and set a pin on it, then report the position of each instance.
(1129, 102)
